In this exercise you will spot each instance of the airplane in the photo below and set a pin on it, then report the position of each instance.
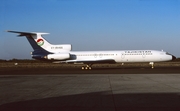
(62, 53)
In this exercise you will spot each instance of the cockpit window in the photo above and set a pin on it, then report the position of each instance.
(168, 53)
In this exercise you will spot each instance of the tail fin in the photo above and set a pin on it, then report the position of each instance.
(38, 43)
(35, 39)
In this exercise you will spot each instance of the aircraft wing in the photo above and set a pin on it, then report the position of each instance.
(88, 61)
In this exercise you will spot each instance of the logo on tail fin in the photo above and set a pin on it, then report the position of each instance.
(40, 42)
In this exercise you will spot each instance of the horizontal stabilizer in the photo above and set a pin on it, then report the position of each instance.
(27, 33)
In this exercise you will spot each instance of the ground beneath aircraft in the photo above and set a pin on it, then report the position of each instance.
(49, 68)
(49, 71)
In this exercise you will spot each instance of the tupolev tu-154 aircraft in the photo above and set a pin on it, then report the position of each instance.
(62, 53)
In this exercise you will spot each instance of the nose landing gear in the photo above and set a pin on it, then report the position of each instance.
(152, 65)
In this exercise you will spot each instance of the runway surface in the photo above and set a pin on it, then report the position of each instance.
(90, 92)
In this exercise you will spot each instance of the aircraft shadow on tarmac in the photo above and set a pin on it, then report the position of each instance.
(100, 101)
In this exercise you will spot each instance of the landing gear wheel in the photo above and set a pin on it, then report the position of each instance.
(87, 67)
(152, 65)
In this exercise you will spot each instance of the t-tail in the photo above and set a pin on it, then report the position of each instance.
(42, 48)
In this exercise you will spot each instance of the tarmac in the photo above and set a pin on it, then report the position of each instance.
(91, 92)
(59, 70)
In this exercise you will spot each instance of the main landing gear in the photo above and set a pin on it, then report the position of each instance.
(88, 66)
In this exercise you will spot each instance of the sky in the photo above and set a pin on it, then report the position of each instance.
(91, 25)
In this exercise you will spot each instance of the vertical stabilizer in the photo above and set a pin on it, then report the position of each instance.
(35, 39)
(38, 43)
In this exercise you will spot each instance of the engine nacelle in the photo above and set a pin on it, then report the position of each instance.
(59, 56)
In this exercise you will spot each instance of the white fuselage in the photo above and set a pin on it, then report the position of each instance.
(122, 55)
